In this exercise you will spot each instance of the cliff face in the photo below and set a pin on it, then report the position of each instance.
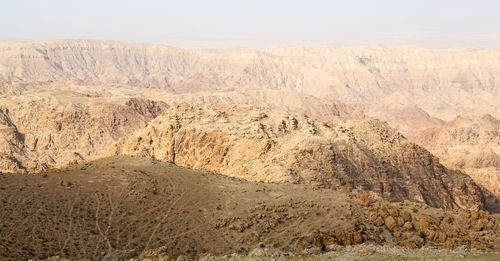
(409, 87)
(358, 74)
(45, 132)
(367, 154)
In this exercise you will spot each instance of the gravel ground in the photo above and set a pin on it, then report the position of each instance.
(367, 252)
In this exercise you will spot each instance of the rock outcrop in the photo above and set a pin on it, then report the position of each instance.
(470, 143)
(41, 132)
(365, 154)
(465, 142)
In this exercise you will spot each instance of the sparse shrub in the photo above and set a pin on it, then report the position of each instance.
(93, 232)
(155, 191)
(45, 175)
(415, 210)
(333, 188)
(422, 235)
(153, 156)
(392, 201)
(113, 167)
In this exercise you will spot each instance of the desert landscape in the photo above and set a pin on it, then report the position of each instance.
(127, 151)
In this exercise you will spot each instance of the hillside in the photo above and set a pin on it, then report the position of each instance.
(364, 154)
(471, 143)
(121, 204)
(53, 128)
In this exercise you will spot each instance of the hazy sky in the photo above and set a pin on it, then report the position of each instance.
(257, 23)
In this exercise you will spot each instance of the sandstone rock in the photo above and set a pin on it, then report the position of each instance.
(379, 221)
(326, 82)
(426, 222)
(400, 221)
(478, 226)
(159, 254)
(408, 226)
(471, 143)
(390, 223)
(441, 237)
(406, 216)
(447, 219)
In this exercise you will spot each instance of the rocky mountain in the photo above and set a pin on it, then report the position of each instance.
(465, 142)
(366, 154)
(45, 130)
(471, 143)
(456, 78)
(415, 90)
(414, 83)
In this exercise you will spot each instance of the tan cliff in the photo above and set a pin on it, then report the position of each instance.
(350, 75)
(366, 154)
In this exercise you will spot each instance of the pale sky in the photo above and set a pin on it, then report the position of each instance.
(258, 23)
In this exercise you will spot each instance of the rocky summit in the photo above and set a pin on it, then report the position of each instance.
(363, 154)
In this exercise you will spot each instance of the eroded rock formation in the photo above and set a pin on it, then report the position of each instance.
(367, 154)
(50, 132)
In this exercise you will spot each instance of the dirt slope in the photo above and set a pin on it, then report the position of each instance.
(125, 203)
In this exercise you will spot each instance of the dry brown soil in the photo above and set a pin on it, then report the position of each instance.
(127, 202)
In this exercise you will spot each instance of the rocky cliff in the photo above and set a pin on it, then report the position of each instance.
(349, 75)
